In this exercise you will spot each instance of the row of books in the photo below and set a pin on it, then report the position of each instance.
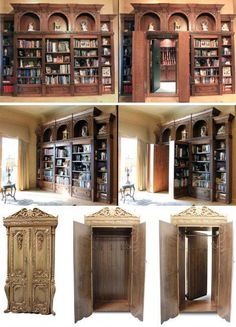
(61, 80)
(85, 53)
(82, 183)
(206, 72)
(201, 157)
(81, 157)
(201, 183)
(85, 80)
(61, 69)
(205, 43)
(209, 62)
(29, 81)
(90, 62)
(29, 44)
(86, 148)
(29, 63)
(57, 46)
(83, 43)
(7, 70)
(181, 151)
(182, 182)
(206, 80)
(48, 152)
(48, 173)
(205, 53)
(106, 80)
(29, 53)
(63, 180)
(62, 153)
(32, 72)
(227, 80)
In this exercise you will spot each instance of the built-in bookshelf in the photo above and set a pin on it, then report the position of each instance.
(82, 170)
(57, 62)
(76, 155)
(7, 72)
(227, 64)
(29, 61)
(181, 169)
(128, 27)
(59, 54)
(206, 69)
(201, 166)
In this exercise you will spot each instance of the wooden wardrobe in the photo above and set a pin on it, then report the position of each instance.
(30, 283)
(109, 263)
(184, 266)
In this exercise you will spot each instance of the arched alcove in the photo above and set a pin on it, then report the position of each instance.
(58, 22)
(178, 22)
(150, 21)
(29, 22)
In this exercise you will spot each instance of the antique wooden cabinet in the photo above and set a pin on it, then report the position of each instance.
(30, 283)
(109, 263)
(185, 244)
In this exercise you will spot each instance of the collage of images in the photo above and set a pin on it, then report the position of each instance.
(117, 163)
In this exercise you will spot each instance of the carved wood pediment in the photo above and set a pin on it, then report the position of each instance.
(112, 216)
(198, 216)
(30, 217)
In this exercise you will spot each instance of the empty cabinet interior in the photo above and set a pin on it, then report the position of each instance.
(109, 264)
(196, 263)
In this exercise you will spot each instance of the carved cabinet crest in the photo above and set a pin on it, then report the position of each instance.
(30, 285)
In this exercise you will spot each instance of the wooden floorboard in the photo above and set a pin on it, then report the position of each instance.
(112, 306)
(199, 306)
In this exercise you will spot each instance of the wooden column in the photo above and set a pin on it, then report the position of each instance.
(183, 67)
(139, 66)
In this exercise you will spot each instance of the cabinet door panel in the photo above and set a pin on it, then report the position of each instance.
(82, 271)
(156, 66)
(183, 67)
(18, 269)
(138, 270)
(197, 266)
(168, 271)
(41, 252)
(41, 297)
(225, 270)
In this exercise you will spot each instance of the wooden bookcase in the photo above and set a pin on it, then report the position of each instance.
(6, 54)
(200, 59)
(200, 155)
(127, 26)
(62, 50)
(76, 156)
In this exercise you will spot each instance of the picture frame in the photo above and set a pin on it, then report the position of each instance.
(49, 58)
(106, 71)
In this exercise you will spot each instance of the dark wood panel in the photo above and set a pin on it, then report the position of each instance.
(168, 271)
(181, 279)
(138, 270)
(183, 67)
(197, 266)
(225, 270)
(215, 266)
(111, 275)
(82, 271)
(158, 170)
(139, 66)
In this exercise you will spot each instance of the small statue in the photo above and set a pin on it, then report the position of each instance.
(65, 134)
(203, 131)
(204, 25)
(84, 131)
(225, 27)
(221, 130)
(84, 26)
(102, 130)
(104, 27)
(151, 27)
(184, 135)
(57, 25)
(30, 27)
(177, 26)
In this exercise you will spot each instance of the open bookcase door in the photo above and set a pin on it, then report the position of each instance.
(197, 266)
(156, 66)
(225, 270)
(183, 67)
(139, 66)
(138, 270)
(168, 271)
(82, 271)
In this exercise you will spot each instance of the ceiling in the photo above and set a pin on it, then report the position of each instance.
(165, 113)
(44, 112)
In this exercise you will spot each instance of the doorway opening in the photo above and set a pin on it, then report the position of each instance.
(197, 274)
(9, 161)
(163, 66)
(111, 269)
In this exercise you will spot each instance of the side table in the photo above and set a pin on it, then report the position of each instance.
(8, 190)
(127, 190)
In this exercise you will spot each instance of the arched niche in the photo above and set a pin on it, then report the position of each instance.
(200, 129)
(29, 22)
(81, 129)
(150, 19)
(181, 133)
(61, 132)
(58, 22)
(178, 22)
(85, 22)
(205, 22)
(47, 135)
(166, 135)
